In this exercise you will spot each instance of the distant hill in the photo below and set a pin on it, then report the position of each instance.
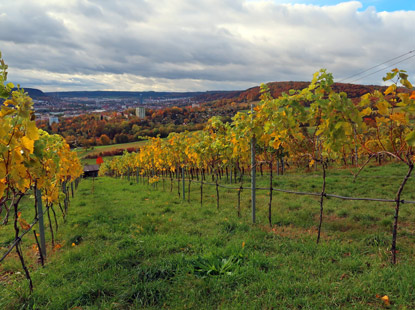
(34, 93)
(144, 94)
(251, 94)
(277, 88)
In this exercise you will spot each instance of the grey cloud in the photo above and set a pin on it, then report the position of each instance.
(206, 43)
(31, 25)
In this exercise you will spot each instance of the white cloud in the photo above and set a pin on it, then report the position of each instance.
(194, 45)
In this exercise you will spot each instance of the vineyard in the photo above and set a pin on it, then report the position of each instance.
(294, 204)
(33, 165)
(315, 128)
(129, 245)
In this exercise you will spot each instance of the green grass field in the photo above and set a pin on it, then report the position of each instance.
(141, 247)
(83, 152)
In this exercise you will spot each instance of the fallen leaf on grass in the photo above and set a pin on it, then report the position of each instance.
(57, 246)
(385, 299)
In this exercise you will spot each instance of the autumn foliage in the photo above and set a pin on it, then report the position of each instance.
(311, 126)
(30, 158)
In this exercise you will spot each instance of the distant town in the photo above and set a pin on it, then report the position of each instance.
(53, 106)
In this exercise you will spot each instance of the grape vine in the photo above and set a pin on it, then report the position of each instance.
(29, 158)
(314, 126)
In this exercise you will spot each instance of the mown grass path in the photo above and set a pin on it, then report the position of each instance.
(130, 246)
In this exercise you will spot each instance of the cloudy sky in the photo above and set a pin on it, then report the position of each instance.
(192, 45)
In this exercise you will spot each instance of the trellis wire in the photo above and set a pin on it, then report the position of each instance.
(19, 238)
(311, 193)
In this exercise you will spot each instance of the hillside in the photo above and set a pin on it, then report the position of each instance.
(35, 93)
(277, 88)
(109, 127)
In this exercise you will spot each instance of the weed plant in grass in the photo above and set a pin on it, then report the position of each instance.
(131, 246)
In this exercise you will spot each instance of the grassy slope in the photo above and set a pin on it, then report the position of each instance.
(138, 248)
(82, 152)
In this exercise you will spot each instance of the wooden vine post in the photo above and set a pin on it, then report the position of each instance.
(201, 192)
(217, 191)
(163, 180)
(48, 206)
(188, 189)
(178, 184)
(270, 195)
(42, 259)
(323, 194)
(183, 185)
(398, 203)
(253, 172)
(238, 207)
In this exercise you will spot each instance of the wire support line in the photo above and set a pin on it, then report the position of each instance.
(383, 63)
(336, 196)
(403, 201)
(369, 199)
(19, 238)
(289, 191)
(228, 187)
(392, 65)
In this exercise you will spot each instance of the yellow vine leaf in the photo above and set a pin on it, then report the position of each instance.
(28, 144)
(399, 117)
(382, 107)
(276, 144)
(2, 186)
(366, 112)
(32, 131)
(2, 170)
(410, 138)
(406, 83)
(6, 111)
(7, 102)
(390, 89)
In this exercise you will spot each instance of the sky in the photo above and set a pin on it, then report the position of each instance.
(200, 45)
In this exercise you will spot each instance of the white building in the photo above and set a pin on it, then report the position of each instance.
(53, 119)
(140, 112)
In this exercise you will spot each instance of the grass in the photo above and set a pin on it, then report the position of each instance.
(141, 247)
(82, 152)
